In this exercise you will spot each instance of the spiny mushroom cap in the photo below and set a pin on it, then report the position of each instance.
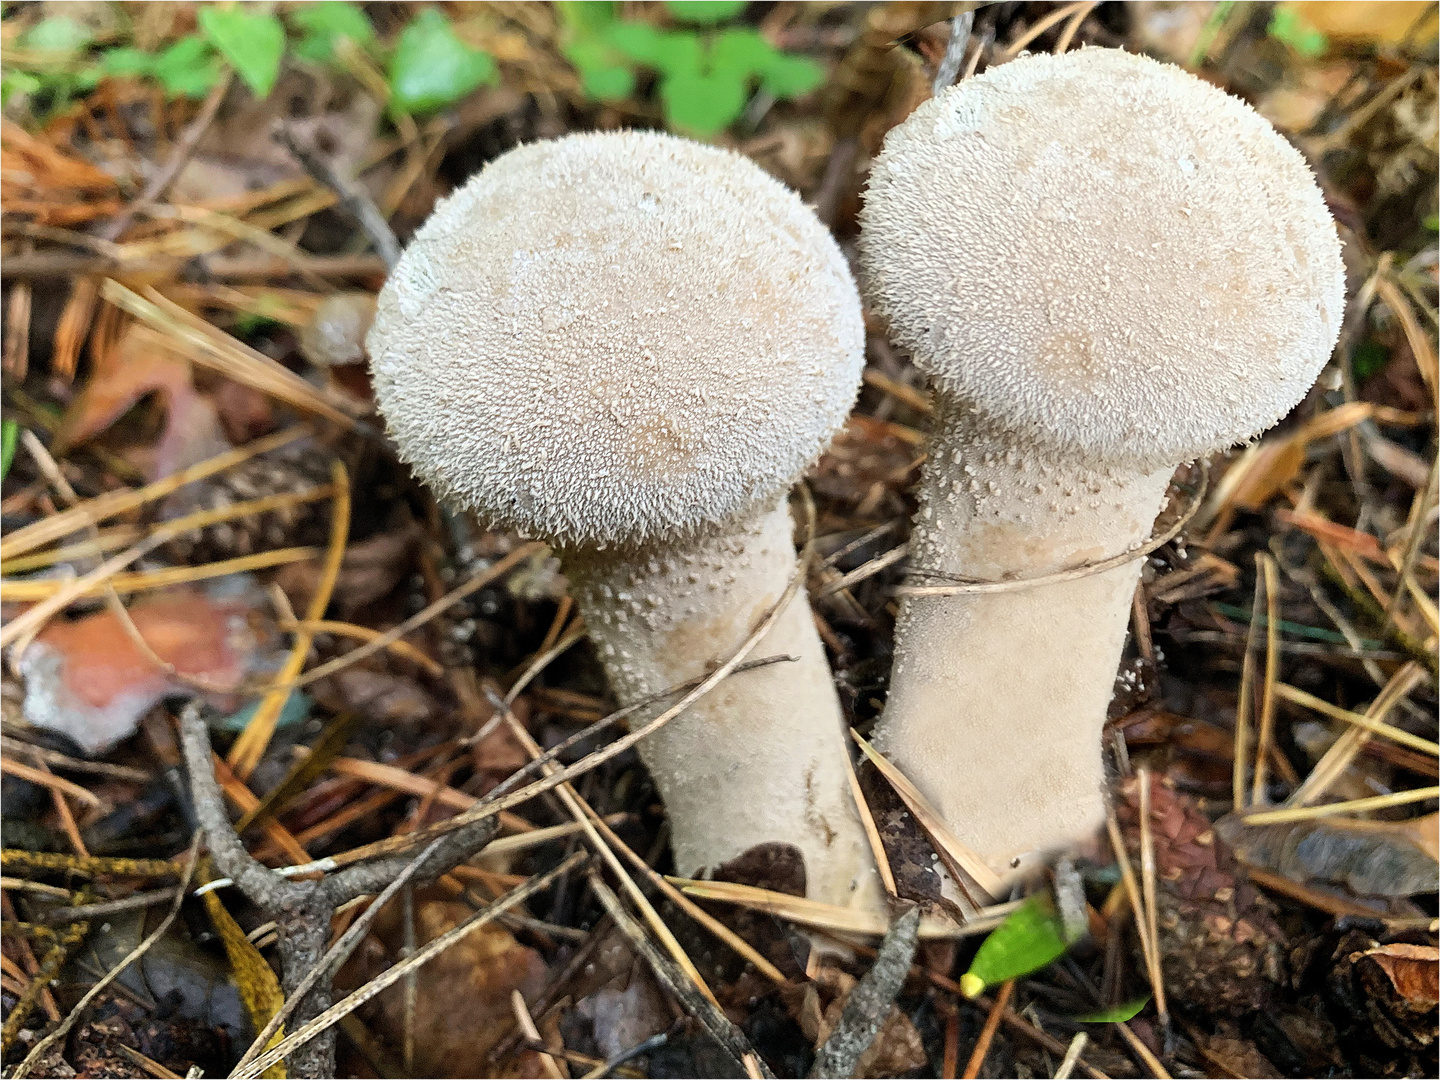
(1106, 255)
(611, 338)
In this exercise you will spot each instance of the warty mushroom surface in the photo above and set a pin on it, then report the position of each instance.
(631, 345)
(1107, 267)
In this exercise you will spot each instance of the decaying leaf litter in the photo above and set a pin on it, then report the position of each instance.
(198, 504)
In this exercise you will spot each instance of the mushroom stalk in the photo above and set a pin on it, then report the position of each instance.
(1107, 267)
(760, 758)
(998, 700)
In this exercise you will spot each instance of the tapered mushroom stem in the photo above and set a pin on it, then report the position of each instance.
(631, 346)
(1108, 268)
(663, 615)
(997, 730)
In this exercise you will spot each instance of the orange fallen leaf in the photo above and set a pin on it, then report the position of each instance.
(1413, 969)
(90, 680)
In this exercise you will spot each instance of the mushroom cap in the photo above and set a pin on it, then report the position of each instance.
(616, 337)
(1104, 255)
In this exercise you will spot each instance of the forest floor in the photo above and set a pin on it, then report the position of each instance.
(198, 508)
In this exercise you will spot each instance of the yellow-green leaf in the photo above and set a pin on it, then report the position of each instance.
(259, 988)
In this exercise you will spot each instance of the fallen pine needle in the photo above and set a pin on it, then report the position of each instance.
(1296, 696)
(245, 754)
(949, 847)
(111, 503)
(987, 1033)
(832, 917)
(1349, 806)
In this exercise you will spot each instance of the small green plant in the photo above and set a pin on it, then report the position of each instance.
(1288, 26)
(9, 440)
(428, 68)
(706, 73)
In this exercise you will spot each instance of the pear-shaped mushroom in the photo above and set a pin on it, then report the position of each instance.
(631, 345)
(1107, 267)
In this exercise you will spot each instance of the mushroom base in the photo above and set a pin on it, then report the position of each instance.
(998, 701)
(761, 757)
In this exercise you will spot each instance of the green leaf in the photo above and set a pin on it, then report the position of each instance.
(790, 76)
(585, 16)
(17, 82)
(679, 53)
(325, 23)
(742, 52)
(431, 67)
(702, 105)
(126, 61)
(704, 12)
(1431, 222)
(639, 41)
(189, 68)
(608, 83)
(1032, 936)
(1289, 26)
(1117, 1015)
(9, 440)
(253, 43)
(60, 34)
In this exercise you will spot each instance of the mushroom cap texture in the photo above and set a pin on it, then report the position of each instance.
(1104, 256)
(615, 338)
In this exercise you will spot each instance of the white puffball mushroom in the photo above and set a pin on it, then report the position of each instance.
(631, 345)
(1107, 267)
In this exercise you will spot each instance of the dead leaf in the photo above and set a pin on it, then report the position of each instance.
(1370, 858)
(144, 361)
(369, 571)
(463, 1007)
(259, 988)
(89, 679)
(1414, 970)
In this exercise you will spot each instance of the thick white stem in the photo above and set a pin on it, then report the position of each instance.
(761, 757)
(997, 702)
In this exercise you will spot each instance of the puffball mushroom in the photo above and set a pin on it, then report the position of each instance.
(630, 345)
(1107, 268)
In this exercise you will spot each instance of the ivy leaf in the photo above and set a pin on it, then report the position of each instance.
(585, 16)
(253, 43)
(704, 12)
(189, 68)
(702, 105)
(17, 82)
(1032, 936)
(126, 61)
(790, 76)
(325, 23)
(1116, 1015)
(60, 34)
(9, 440)
(431, 67)
(741, 52)
(639, 41)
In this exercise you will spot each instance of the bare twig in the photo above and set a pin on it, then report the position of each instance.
(390, 976)
(871, 1000)
(727, 1035)
(354, 199)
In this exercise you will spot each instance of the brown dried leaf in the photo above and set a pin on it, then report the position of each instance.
(463, 1004)
(1414, 970)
